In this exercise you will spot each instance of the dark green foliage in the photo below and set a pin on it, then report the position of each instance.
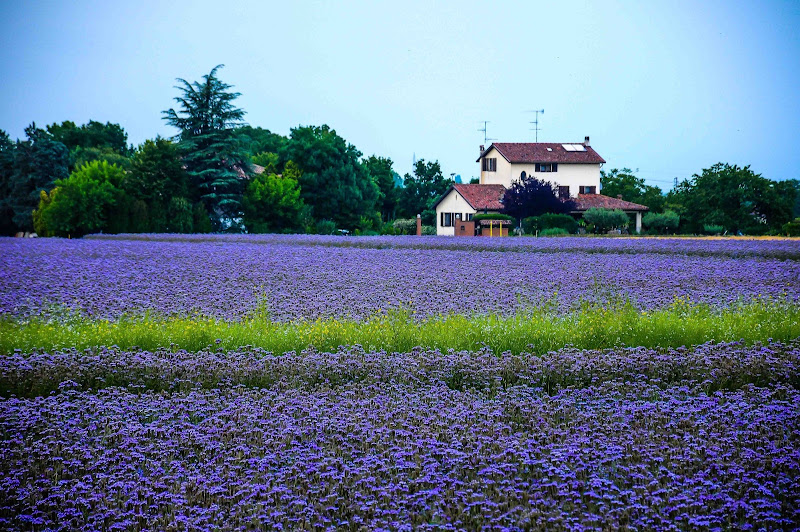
(603, 220)
(792, 228)
(550, 221)
(211, 151)
(272, 203)
(735, 198)
(334, 183)
(80, 156)
(666, 222)
(92, 135)
(713, 229)
(554, 231)
(179, 215)
(7, 226)
(532, 197)
(380, 170)
(201, 220)
(156, 172)
(405, 226)
(255, 140)
(493, 216)
(139, 217)
(475, 181)
(82, 203)
(39, 161)
(421, 190)
(624, 183)
(269, 160)
(325, 227)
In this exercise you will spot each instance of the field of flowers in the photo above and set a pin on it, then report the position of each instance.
(352, 433)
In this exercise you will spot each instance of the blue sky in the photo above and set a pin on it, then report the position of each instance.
(665, 87)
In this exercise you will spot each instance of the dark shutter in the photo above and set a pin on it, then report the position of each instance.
(538, 167)
(555, 167)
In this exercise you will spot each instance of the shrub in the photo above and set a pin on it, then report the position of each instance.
(713, 229)
(603, 220)
(428, 230)
(405, 226)
(325, 227)
(666, 222)
(493, 216)
(792, 228)
(554, 231)
(550, 221)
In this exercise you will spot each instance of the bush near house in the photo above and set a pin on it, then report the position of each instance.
(603, 220)
(662, 223)
(554, 231)
(550, 221)
(792, 228)
(493, 216)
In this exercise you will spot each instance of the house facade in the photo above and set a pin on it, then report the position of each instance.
(462, 201)
(572, 167)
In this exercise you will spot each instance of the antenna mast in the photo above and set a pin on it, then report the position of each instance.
(486, 138)
(536, 122)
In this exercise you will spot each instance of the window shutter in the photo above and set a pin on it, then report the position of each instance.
(555, 167)
(538, 167)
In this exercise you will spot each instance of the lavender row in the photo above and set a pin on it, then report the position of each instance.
(728, 366)
(230, 278)
(389, 456)
(787, 249)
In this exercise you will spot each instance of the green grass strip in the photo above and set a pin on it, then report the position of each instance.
(534, 331)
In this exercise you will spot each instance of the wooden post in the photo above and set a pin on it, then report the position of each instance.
(419, 225)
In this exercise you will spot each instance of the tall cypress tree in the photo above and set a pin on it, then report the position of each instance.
(211, 153)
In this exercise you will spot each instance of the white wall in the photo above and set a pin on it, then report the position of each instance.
(568, 175)
(503, 173)
(453, 202)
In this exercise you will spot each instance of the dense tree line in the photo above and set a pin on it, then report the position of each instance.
(724, 198)
(216, 174)
(220, 174)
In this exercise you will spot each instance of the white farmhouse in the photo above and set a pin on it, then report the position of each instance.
(574, 170)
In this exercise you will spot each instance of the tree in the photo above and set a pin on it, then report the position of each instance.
(603, 220)
(530, 196)
(421, 191)
(83, 202)
(666, 222)
(214, 160)
(92, 135)
(254, 140)
(735, 198)
(7, 226)
(624, 183)
(156, 172)
(39, 161)
(272, 202)
(380, 170)
(333, 183)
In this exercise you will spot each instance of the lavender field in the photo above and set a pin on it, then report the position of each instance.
(229, 436)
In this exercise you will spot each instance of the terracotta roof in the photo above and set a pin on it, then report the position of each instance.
(482, 197)
(588, 201)
(544, 152)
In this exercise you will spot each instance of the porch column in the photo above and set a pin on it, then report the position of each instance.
(638, 222)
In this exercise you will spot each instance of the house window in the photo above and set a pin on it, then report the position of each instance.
(489, 165)
(468, 217)
(449, 219)
(563, 192)
(547, 167)
(588, 190)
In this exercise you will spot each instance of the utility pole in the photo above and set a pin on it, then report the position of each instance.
(536, 122)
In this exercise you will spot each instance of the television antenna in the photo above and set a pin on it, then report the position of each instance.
(486, 138)
(536, 122)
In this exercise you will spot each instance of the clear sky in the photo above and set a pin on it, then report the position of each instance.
(666, 87)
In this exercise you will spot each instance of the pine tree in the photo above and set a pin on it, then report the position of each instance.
(211, 152)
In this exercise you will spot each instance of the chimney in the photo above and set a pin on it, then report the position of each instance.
(619, 196)
(481, 149)
(586, 141)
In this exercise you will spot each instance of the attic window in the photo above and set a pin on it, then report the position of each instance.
(546, 167)
(549, 149)
(489, 165)
(588, 190)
